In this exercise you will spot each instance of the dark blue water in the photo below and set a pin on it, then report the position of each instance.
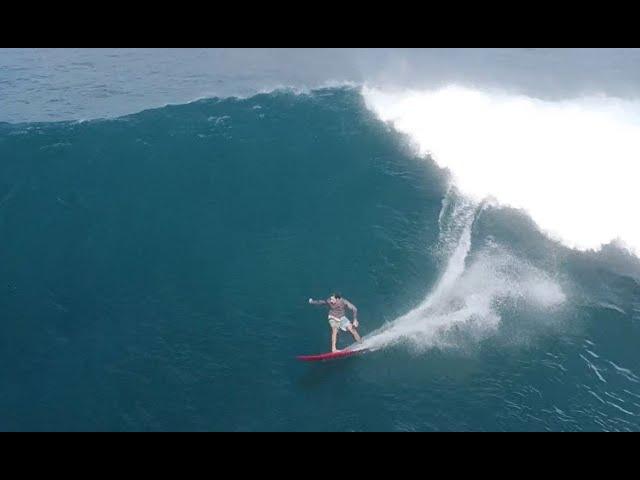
(155, 269)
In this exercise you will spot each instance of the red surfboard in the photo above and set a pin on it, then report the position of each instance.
(331, 355)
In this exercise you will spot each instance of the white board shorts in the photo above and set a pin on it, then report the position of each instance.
(341, 323)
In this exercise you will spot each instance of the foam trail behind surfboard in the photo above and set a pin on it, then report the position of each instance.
(469, 292)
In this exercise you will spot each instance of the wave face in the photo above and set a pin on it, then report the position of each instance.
(155, 270)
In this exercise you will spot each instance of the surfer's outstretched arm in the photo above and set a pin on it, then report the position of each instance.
(317, 302)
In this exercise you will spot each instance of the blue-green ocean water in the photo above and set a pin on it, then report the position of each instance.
(155, 270)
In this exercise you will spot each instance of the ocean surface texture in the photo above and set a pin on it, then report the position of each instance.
(166, 214)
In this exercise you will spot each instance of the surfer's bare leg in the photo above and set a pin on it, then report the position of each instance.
(334, 338)
(355, 334)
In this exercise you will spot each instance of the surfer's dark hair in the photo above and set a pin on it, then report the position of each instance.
(337, 295)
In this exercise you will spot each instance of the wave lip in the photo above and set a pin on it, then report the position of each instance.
(572, 165)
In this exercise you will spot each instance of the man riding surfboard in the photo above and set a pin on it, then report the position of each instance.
(337, 318)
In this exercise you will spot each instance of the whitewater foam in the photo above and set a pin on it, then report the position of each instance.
(572, 165)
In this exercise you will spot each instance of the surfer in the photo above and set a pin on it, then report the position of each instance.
(337, 318)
